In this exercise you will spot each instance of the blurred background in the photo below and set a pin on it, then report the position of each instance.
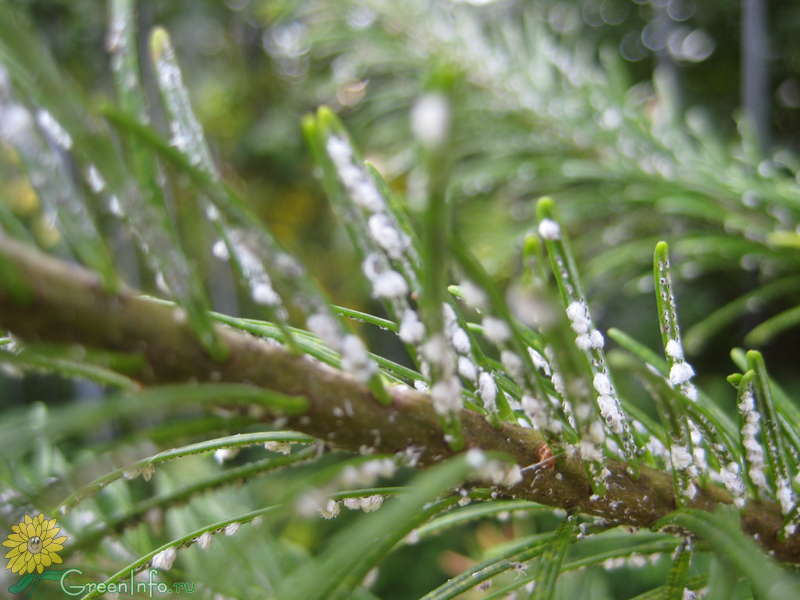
(644, 119)
(587, 101)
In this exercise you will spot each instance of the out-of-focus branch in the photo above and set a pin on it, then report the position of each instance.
(42, 298)
(755, 70)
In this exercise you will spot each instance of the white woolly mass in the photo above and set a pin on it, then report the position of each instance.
(590, 451)
(512, 363)
(435, 349)
(115, 208)
(499, 473)
(387, 235)
(389, 284)
(584, 341)
(752, 447)
(352, 503)
(577, 310)
(446, 395)
(212, 214)
(148, 471)
(95, 180)
(539, 361)
(487, 389)
(530, 405)
(263, 293)
(358, 182)
(691, 490)
(232, 529)
(581, 326)
(161, 282)
(220, 250)
(224, 454)
(748, 405)
(467, 368)
(602, 384)
(583, 410)
(430, 118)
(638, 561)
(339, 150)
(681, 458)
(549, 229)
(513, 476)
(15, 125)
(578, 314)
(204, 541)
(164, 559)
(284, 448)
(495, 330)
(758, 476)
(449, 315)
(370, 578)
(596, 433)
(596, 339)
(475, 458)
(412, 538)
(474, 297)
(699, 456)
(610, 411)
(374, 264)
(461, 341)
(53, 129)
(246, 253)
(535, 411)
(330, 510)
(656, 447)
(674, 349)
(785, 495)
(558, 383)
(325, 327)
(732, 480)
(355, 359)
(371, 503)
(310, 503)
(352, 476)
(412, 331)
(681, 372)
(698, 452)
(373, 469)
(553, 426)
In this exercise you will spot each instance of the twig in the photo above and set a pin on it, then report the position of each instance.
(42, 298)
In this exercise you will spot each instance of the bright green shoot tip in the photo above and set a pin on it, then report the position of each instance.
(159, 42)
(544, 208)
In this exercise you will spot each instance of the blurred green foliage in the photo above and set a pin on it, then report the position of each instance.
(255, 68)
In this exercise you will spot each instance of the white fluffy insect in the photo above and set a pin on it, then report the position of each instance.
(430, 117)
(681, 372)
(164, 559)
(412, 331)
(549, 229)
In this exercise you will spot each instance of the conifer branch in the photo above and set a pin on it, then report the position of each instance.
(42, 298)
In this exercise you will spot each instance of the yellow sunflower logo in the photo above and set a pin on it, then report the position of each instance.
(34, 544)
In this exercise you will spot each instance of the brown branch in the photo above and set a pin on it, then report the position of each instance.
(65, 303)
